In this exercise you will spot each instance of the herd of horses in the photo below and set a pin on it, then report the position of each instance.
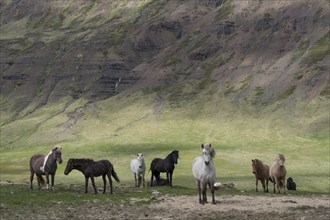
(203, 170)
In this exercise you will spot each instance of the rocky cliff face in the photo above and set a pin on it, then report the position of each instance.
(259, 54)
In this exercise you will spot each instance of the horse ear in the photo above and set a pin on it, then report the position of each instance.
(202, 146)
(252, 160)
(210, 145)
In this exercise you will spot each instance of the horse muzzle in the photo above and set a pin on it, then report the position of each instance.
(207, 162)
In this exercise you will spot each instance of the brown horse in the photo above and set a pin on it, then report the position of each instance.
(167, 165)
(91, 169)
(45, 165)
(261, 173)
(277, 173)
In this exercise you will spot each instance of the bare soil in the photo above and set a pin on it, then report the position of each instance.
(227, 207)
(158, 206)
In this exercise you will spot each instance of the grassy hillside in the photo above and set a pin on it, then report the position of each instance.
(109, 79)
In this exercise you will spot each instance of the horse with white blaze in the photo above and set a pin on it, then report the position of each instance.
(203, 170)
(138, 168)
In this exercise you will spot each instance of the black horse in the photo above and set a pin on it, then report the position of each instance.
(159, 165)
(91, 169)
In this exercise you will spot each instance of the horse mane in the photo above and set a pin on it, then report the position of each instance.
(170, 155)
(281, 157)
(57, 148)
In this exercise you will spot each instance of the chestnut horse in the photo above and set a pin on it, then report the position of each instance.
(261, 173)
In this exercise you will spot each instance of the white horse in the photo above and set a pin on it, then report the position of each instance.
(204, 172)
(138, 168)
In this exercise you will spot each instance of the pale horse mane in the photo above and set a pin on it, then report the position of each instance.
(57, 148)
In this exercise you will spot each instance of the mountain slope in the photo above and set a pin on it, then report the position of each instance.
(164, 71)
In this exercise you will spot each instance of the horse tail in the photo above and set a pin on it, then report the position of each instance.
(41, 180)
(114, 174)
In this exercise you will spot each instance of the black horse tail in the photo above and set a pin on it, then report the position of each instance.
(41, 180)
(114, 174)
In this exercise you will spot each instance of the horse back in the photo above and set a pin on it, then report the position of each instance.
(101, 167)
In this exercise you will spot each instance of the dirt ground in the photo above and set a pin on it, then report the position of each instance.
(160, 206)
(227, 207)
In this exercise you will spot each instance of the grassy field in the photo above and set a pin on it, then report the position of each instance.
(119, 128)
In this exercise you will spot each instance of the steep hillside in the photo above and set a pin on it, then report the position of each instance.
(232, 72)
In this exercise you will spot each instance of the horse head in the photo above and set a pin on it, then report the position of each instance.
(208, 153)
(57, 154)
(254, 169)
(140, 159)
(69, 167)
(280, 160)
(206, 156)
(175, 156)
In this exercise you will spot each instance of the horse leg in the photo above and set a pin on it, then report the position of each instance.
(263, 185)
(104, 183)
(86, 184)
(152, 178)
(39, 182)
(204, 186)
(256, 184)
(171, 178)
(52, 179)
(110, 182)
(31, 179)
(267, 185)
(139, 179)
(284, 185)
(273, 180)
(277, 185)
(143, 180)
(93, 183)
(168, 178)
(212, 192)
(199, 191)
(135, 179)
(47, 180)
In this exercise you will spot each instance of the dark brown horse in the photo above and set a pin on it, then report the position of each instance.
(45, 165)
(91, 169)
(159, 165)
(261, 173)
